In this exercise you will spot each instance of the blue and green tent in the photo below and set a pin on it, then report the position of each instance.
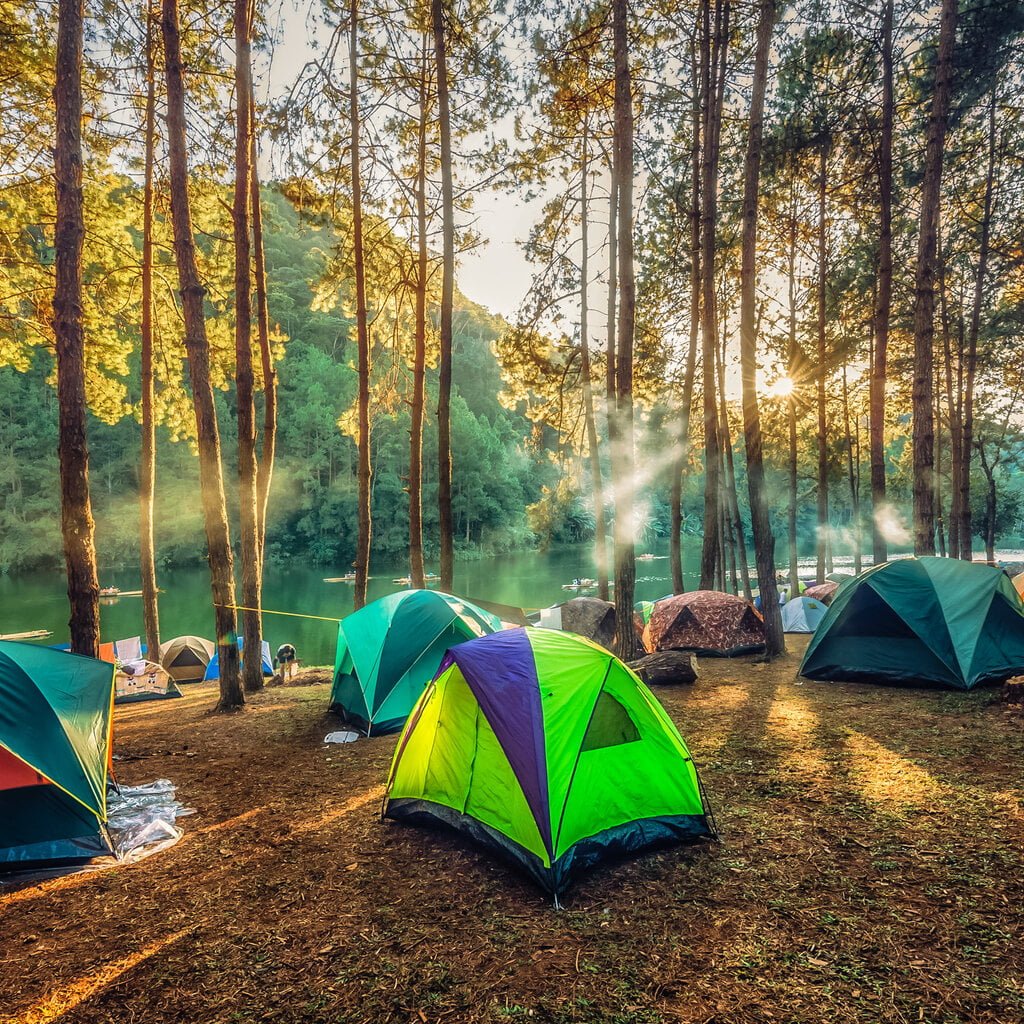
(545, 748)
(56, 713)
(932, 621)
(390, 649)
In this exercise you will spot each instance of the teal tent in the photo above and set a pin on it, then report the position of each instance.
(55, 732)
(933, 621)
(389, 650)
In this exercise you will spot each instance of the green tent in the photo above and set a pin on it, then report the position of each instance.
(55, 732)
(390, 649)
(936, 621)
(547, 749)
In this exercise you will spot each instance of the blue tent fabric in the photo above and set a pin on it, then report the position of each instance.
(213, 669)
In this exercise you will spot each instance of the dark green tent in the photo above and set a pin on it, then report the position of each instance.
(936, 621)
(55, 731)
(390, 649)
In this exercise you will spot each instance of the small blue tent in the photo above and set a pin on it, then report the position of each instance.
(213, 669)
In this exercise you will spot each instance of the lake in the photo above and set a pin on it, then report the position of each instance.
(527, 579)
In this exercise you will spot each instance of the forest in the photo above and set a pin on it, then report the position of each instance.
(775, 302)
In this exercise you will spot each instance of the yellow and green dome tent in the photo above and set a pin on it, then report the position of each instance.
(547, 749)
(937, 621)
(391, 648)
(56, 711)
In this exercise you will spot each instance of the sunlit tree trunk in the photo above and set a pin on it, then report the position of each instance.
(419, 372)
(714, 58)
(252, 667)
(822, 367)
(737, 541)
(967, 440)
(211, 479)
(675, 534)
(622, 448)
(77, 526)
(852, 475)
(794, 377)
(444, 386)
(265, 467)
(597, 486)
(147, 460)
(924, 290)
(954, 398)
(883, 298)
(764, 541)
(363, 537)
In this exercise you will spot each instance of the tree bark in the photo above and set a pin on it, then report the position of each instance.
(362, 562)
(714, 57)
(77, 527)
(764, 540)
(822, 368)
(265, 467)
(924, 290)
(794, 377)
(252, 661)
(625, 565)
(211, 479)
(444, 389)
(954, 399)
(613, 288)
(675, 535)
(600, 543)
(736, 538)
(147, 461)
(966, 535)
(419, 372)
(883, 299)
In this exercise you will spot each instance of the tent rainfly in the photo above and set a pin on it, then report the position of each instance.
(932, 621)
(546, 749)
(391, 648)
(56, 713)
(186, 658)
(707, 622)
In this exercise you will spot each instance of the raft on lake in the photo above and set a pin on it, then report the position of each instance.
(391, 648)
(932, 621)
(547, 750)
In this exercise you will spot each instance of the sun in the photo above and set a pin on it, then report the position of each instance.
(782, 388)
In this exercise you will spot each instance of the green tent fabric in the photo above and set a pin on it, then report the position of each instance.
(55, 734)
(547, 749)
(937, 621)
(390, 649)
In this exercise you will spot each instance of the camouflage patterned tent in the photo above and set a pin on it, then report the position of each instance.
(707, 622)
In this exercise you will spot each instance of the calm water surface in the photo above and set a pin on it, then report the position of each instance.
(526, 579)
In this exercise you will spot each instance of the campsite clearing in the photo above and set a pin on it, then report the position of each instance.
(870, 870)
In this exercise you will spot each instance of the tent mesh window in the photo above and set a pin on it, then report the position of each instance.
(867, 614)
(610, 725)
(186, 658)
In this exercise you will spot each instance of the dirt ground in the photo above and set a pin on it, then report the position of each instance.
(870, 869)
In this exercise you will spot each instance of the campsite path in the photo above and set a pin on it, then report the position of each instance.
(870, 870)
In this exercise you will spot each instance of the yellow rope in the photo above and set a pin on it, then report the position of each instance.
(269, 611)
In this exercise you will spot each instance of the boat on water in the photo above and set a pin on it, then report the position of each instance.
(428, 577)
(109, 592)
(584, 584)
(648, 557)
(349, 577)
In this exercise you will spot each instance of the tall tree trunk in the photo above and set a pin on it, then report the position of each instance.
(967, 440)
(362, 563)
(924, 290)
(252, 661)
(147, 461)
(675, 534)
(714, 56)
(940, 533)
(77, 525)
(736, 537)
(613, 290)
(953, 407)
(265, 467)
(851, 471)
(794, 377)
(764, 540)
(444, 388)
(883, 298)
(822, 368)
(623, 460)
(211, 479)
(419, 372)
(601, 545)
